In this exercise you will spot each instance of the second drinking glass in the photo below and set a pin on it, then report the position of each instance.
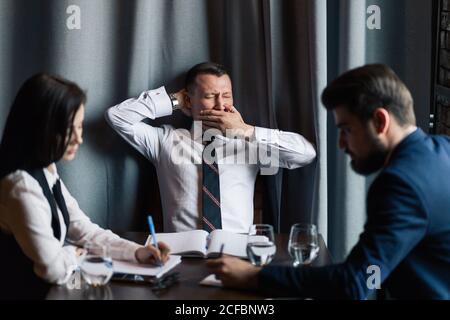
(303, 243)
(261, 246)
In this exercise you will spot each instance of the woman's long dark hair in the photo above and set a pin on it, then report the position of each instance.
(38, 123)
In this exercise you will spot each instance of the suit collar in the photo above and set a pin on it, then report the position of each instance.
(412, 138)
(417, 135)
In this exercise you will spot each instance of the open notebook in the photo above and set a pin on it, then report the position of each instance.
(199, 243)
(144, 269)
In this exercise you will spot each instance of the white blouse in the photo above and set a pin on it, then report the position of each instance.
(26, 214)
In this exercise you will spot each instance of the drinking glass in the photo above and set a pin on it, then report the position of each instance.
(97, 266)
(261, 246)
(303, 244)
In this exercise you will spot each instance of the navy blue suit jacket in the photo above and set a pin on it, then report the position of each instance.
(407, 233)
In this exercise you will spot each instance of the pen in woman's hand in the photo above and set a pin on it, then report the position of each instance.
(155, 243)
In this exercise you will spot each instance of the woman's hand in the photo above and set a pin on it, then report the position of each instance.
(152, 255)
(80, 251)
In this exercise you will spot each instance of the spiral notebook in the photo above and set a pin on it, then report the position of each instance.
(145, 269)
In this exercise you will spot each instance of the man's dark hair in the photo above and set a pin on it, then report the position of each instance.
(203, 68)
(39, 122)
(367, 88)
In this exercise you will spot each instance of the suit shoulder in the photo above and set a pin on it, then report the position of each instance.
(441, 141)
(410, 159)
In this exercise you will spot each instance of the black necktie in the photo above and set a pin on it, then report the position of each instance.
(57, 194)
(212, 218)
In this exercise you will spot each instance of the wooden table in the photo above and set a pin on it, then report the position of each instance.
(191, 270)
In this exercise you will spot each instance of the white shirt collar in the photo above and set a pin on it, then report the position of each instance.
(51, 177)
(196, 132)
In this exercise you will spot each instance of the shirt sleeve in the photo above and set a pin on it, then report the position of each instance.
(28, 219)
(397, 222)
(126, 119)
(83, 230)
(287, 149)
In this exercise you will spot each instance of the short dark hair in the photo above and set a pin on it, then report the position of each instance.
(38, 123)
(203, 68)
(367, 88)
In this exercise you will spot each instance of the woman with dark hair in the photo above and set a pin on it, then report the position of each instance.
(38, 216)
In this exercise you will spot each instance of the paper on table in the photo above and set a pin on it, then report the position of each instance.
(212, 281)
(180, 242)
(235, 244)
(145, 269)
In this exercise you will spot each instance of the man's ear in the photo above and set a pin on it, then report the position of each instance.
(187, 100)
(382, 120)
(187, 105)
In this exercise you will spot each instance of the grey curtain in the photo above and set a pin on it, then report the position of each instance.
(281, 54)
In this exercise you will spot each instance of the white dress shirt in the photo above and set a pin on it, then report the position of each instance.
(26, 214)
(180, 182)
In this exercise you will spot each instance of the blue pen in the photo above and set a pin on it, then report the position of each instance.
(152, 232)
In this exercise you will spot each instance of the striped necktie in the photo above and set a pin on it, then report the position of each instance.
(212, 218)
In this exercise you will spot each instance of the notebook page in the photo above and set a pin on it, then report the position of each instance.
(186, 241)
(234, 244)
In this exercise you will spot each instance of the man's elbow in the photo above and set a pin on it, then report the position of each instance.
(115, 121)
(110, 116)
(50, 274)
(306, 156)
(310, 153)
(299, 158)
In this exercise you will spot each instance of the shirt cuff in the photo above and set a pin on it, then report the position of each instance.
(161, 101)
(267, 136)
(72, 266)
(71, 251)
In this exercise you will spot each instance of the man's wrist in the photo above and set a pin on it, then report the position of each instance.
(249, 131)
(242, 132)
(176, 105)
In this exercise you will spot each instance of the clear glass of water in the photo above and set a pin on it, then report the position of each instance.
(261, 246)
(97, 266)
(303, 244)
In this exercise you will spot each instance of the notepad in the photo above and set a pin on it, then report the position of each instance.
(199, 243)
(146, 269)
(211, 281)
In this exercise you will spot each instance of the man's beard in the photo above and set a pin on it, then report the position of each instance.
(373, 162)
